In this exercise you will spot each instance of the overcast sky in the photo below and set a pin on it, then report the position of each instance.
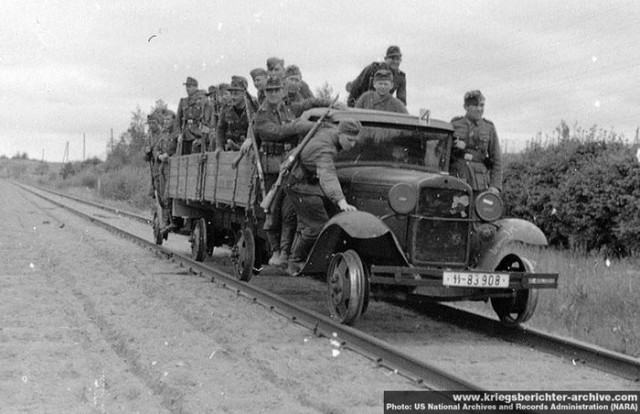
(74, 67)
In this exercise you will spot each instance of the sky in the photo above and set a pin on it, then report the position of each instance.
(70, 71)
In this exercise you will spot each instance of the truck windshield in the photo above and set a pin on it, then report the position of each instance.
(400, 145)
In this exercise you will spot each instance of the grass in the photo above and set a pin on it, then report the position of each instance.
(596, 300)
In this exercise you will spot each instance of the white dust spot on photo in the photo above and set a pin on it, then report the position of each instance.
(335, 353)
(597, 104)
(594, 59)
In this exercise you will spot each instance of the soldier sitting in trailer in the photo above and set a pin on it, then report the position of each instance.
(233, 123)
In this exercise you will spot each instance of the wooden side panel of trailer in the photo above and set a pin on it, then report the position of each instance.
(185, 177)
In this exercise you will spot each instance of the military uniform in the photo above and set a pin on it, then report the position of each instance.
(479, 163)
(314, 190)
(194, 117)
(364, 82)
(371, 100)
(164, 148)
(233, 125)
(278, 130)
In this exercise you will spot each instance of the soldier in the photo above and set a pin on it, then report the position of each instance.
(279, 130)
(224, 95)
(475, 155)
(259, 77)
(314, 188)
(364, 81)
(380, 98)
(165, 148)
(233, 123)
(191, 115)
(153, 135)
(206, 127)
(292, 84)
(275, 67)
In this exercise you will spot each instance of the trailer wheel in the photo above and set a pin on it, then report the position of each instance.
(199, 240)
(243, 254)
(346, 287)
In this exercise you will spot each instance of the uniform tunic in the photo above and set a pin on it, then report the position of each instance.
(313, 184)
(233, 125)
(192, 116)
(167, 144)
(480, 162)
(371, 100)
(364, 82)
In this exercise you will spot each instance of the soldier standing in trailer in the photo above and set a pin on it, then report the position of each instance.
(205, 126)
(364, 81)
(190, 115)
(233, 123)
(475, 156)
(279, 130)
(275, 67)
(313, 186)
(259, 77)
(380, 99)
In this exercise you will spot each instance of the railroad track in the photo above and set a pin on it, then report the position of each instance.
(423, 374)
(428, 376)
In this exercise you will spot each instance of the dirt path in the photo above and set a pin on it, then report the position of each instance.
(93, 323)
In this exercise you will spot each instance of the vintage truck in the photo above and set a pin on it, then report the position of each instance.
(417, 231)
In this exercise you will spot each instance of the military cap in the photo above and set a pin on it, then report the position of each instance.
(191, 81)
(236, 84)
(473, 97)
(273, 61)
(200, 93)
(393, 51)
(223, 87)
(274, 82)
(292, 70)
(152, 117)
(212, 90)
(349, 126)
(240, 80)
(383, 74)
(257, 72)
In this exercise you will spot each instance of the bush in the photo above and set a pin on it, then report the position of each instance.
(128, 184)
(582, 192)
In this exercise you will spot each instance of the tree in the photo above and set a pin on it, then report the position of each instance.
(325, 91)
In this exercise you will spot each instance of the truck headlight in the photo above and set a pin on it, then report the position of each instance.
(403, 198)
(489, 206)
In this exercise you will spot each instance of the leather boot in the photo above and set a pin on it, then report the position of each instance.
(299, 254)
(274, 242)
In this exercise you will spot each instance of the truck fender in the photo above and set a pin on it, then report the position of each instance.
(360, 231)
(509, 233)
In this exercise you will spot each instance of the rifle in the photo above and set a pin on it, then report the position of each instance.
(254, 145)
(289, 162)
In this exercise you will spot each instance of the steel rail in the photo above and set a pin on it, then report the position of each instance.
(114, 210)
(382, 353)
(611, 362)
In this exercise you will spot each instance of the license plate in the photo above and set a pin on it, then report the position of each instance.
(475, 280)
